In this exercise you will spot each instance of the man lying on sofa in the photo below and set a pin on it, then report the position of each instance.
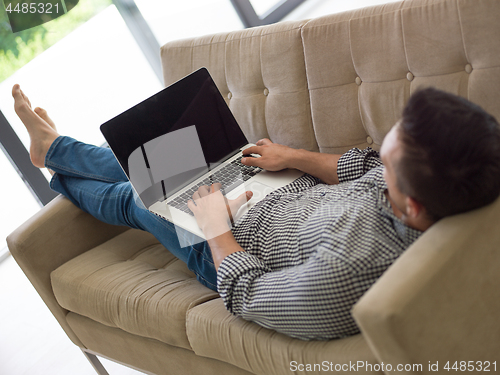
(303, 256)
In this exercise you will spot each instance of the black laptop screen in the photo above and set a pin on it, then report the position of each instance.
(174, 136)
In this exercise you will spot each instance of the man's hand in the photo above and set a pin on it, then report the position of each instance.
(213, 211)
(274, 157)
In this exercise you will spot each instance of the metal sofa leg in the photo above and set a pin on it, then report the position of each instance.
(96, 364)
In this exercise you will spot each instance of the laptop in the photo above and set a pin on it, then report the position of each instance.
(179, 139)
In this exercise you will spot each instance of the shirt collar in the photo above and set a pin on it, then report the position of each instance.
(407, 234)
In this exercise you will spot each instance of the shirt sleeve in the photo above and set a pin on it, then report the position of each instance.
(355, 163)
(309, 301)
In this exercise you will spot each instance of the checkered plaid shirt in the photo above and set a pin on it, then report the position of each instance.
(312, 250)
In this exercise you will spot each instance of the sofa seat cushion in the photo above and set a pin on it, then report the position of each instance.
(132, 282)
(262, 351)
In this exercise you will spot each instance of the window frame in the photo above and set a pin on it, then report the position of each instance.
(250, 18)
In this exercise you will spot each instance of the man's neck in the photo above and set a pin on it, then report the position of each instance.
(420, 224)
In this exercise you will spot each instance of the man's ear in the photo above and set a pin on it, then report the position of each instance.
(413, 208)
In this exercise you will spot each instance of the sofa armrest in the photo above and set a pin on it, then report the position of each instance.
(57, 233)
(439, 301)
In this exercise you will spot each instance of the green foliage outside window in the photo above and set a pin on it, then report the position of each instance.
(17, 49)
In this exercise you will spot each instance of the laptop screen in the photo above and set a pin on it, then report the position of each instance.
(173, 137)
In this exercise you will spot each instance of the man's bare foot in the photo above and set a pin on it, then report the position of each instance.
(45, 116)
(42, 132)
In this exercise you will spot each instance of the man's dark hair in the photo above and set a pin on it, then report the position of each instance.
(450, 160)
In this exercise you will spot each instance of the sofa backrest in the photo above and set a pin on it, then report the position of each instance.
(341, 81)
(261, 74)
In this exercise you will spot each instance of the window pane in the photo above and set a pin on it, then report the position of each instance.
(17, 203)
(318, 8)
(263, 6)
(173, 19)
(90, 76)
(17, 49)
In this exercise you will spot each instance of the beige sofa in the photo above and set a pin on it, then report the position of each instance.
(327, 84)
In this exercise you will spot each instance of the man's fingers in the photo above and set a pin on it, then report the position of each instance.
(191, 205)
(215, 187)
(203, 191)
(248, 195)
(258, 149)
(243, 198)
(252, 150)
(264, 141)
(251, 162)
(235, 204)
(196, 195)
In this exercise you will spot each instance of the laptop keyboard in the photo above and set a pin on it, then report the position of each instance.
(230, 177)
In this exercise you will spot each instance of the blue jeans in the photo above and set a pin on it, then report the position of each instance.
(92, 179)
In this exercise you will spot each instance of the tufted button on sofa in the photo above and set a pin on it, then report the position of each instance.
(327, 84)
